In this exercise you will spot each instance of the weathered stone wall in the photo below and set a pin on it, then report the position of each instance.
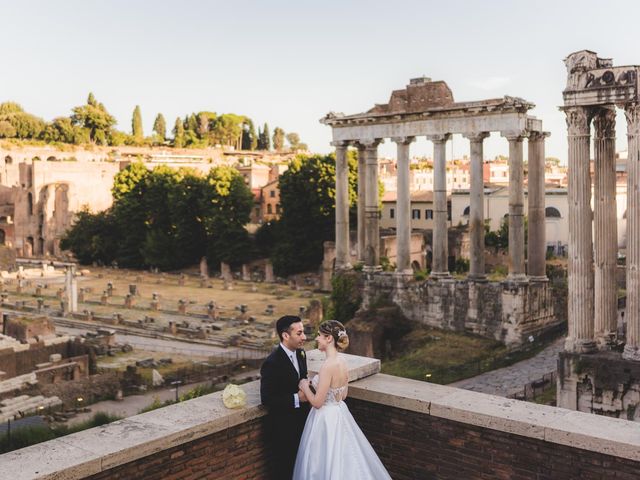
(602, 383)
(507, 312)
(22, 362)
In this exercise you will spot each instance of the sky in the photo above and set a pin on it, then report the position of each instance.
(288, 63)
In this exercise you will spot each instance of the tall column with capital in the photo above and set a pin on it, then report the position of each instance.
(342, 206)
(403, 207)
(580, 301)
(536, 235)
(516, 207)
(372, 232)
(439, 266)
(605, 227)
(362, 200)
(632, 347)
(476, 208)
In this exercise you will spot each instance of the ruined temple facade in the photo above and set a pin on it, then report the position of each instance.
(521, 306)
(599, 371)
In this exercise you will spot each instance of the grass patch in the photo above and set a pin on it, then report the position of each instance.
(444, 357)
(548, 397)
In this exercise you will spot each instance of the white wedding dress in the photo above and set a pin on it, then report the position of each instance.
(333, 447)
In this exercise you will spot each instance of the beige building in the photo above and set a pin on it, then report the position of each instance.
(421, 209)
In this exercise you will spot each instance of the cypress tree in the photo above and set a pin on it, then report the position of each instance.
(178, 133)
(136, 124)
(267, 137)
(160, 127)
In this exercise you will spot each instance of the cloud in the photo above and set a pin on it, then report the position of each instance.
(490, 83)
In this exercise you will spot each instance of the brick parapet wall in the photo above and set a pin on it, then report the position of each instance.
(420, 431)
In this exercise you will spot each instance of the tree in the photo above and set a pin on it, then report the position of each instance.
(61, 129)
(136, 125)
(92, 238)
(22, 124)
(94, 117)
(160, 128)
(294, 140)
(6, 129)
(266, 142)
(8, 108)
(178, 133)
(249, 137)
(307, 197)
(278, 139)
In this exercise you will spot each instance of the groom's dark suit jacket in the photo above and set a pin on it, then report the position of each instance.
(278, 383)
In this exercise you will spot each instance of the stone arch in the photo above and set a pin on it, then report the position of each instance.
(52, 159)
(466, 211)
(35, 159)
(552, 212)
(28, 247)
(8, 160)
(269, 209)
(3, 237)
(415, 266)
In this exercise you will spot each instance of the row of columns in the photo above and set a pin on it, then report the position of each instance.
(368, 208)
(593, 245)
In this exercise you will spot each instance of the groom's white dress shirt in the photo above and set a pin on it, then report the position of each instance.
(294, 359)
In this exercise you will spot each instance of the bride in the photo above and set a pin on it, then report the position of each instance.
(332, 446)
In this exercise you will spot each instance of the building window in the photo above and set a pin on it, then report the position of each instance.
(30, 204)
(428, 214)
(552, 212)
(278, 209)
(272, 194)
(415, 214)
(269, 209)
(392, 213)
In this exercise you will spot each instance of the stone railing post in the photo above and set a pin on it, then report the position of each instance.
(440, 264)
(536, 234)
(342, 206)
(580, 322)
(403, 207)
(605, 228)
(476, 207)
(632, 347)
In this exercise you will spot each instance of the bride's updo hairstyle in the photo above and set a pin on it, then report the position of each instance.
(337, 331)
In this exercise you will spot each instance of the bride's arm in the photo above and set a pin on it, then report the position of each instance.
(317, 399)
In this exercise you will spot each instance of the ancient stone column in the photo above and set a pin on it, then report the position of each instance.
(476, 208)
(403, 207)
(440, 263)
(372, 233)
(580, 322)
(362, 200)
(605, 228)
(342, 206)
(536, 234)
(632, 347)
(516, 208)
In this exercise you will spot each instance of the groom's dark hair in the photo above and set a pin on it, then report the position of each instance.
(284, 323)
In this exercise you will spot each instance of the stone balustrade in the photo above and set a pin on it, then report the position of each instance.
(419, 430)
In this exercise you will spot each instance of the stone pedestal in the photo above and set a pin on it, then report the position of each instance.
(269, 277)
(246, 273)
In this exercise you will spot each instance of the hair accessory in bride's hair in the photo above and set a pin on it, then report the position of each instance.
(342, 333)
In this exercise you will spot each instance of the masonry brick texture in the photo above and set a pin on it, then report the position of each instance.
(416, 446)
(412, 446)
(236, 453)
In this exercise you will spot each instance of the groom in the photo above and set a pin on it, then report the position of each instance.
(287, 405)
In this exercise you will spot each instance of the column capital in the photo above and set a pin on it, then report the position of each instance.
(371, 143)
(476, 136)
(578, 120)
(632, 112)
(604, 122)
(515, 135)
(340, 143)
(440, 138)
(403, 140)
(538, 136)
